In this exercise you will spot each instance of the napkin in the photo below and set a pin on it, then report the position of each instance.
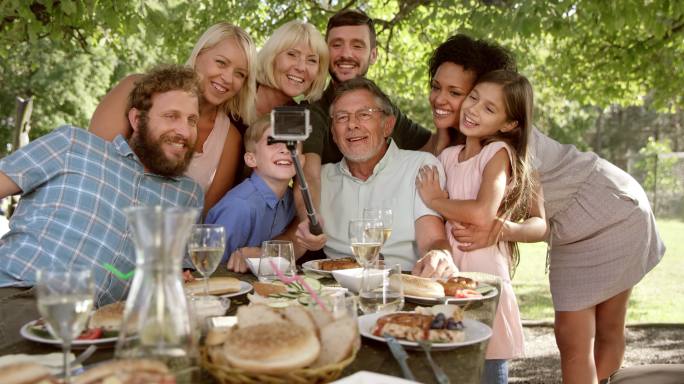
(53, 361)
(366, 377)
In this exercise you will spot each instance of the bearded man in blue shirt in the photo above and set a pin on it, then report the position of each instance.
(74, 187)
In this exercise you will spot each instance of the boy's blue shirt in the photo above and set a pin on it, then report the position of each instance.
(251, 213)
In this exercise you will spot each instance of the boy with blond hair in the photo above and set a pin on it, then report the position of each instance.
(261, 207)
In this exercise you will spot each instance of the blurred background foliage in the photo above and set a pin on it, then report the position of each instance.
(607, 74)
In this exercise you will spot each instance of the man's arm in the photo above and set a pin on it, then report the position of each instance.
(433, 244)
(33, 165)
(7, 186)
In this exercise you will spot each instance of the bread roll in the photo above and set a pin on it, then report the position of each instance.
(299, 315)
(271, 348)
(337, 341)
(419, 286)
(108, 317)
(25, 373)
(217, 286)
(257, 314)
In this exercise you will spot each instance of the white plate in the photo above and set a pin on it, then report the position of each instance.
(312, 265)
(367, 377)
(245, 287)
(27, 334)
(475, 332)
(452, 300)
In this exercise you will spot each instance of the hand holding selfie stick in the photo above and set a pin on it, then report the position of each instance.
(290, 124)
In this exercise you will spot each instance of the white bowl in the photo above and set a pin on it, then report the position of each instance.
(281, 262)
(351, 278)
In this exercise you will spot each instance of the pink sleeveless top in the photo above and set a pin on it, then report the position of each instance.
(463, 183)
(203, 165)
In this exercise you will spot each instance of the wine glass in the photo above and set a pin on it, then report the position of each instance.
(206, 246)
(65, 300)
(381, 288)
(384, 215)
(281, 254)
(365, 236)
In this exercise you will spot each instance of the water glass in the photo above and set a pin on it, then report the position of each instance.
(206, 246)
(384, 215)
(365, 236)
(65, 301)
(203, 308)
(278, 253)
(381, 289)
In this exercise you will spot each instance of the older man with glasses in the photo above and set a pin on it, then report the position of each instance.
(376, 173)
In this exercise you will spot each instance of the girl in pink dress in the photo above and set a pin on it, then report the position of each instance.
(488, 177)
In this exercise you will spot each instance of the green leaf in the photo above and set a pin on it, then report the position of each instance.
(68, 7)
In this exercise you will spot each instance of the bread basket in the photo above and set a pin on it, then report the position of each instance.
(228, 375)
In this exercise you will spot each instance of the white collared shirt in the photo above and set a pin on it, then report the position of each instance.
(392, 185)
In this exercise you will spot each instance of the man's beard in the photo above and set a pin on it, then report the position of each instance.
(151, 154)
(361, 73)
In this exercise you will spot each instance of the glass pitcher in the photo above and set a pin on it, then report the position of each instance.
(156, 322)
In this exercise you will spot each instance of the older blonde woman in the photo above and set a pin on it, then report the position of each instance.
(224, 58)
(293, 62)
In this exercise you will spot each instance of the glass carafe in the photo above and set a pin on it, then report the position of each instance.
(156, 322)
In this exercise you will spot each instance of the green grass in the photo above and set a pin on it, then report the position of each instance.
(658, 298)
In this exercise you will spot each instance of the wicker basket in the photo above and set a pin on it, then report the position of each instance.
(229, 375)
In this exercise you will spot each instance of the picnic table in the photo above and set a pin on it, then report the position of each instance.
(463, 364)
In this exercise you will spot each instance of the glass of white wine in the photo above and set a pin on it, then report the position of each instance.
(381, 288)
(206, 246)
(365, 236)
(65, 300)
(384, 215)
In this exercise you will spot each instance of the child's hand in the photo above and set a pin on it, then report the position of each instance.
(187, 276)
(238, 259)
(427, 184)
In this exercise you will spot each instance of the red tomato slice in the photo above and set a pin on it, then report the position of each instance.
(90, 334)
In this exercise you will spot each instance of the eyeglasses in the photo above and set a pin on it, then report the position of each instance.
(365, 114)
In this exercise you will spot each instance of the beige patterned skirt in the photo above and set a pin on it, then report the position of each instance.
(603, 242)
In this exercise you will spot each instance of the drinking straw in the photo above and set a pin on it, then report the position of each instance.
(117, 273)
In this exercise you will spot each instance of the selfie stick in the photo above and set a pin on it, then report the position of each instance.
(314, 225)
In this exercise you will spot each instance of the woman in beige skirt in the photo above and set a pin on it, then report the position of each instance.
(603, 239)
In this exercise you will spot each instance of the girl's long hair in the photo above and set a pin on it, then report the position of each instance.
(519, 103)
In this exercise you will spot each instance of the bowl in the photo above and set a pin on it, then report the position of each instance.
(253, 264)
(351, 278)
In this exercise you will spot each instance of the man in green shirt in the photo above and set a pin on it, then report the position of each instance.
(351, 39)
